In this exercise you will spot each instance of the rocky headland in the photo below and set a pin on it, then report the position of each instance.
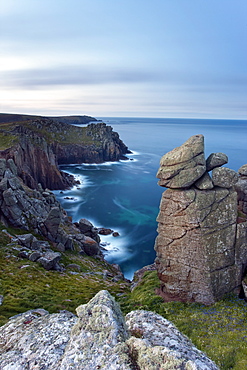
(49, 263)
(39, 145)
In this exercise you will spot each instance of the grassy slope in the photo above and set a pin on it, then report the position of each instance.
(219, 330)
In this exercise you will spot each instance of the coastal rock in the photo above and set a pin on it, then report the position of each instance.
(241, 188)
(50, 260)
(37, 210)
(243, 170)
(205, 182)
(195, 244)
(201, 244)
(41, 144)
(181, 167)
(99, 338)
(224, 177)
(216, 160)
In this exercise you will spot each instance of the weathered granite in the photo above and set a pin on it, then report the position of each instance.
(99, 338)
(181, 167)
(201, 247)
(224, 177)
(195, 244)
(216, 160)
(157, 344)
(241, 188)
(205, 182)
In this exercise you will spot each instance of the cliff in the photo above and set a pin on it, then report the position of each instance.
(38, 146)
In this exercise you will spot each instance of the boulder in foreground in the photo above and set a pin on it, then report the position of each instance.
(99, 338)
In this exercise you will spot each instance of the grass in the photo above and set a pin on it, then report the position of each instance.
(219, 330)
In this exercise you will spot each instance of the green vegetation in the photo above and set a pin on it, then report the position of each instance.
(51, 131)
(219, 330)
(7, 140)
(26, 285)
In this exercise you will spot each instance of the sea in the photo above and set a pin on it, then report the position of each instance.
(124, 196)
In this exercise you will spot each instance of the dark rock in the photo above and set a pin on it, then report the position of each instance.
(49, 260)
(115, 233)
(216, 160)
(104, 231)
(53, 221)
(35, 256)
(90, 246)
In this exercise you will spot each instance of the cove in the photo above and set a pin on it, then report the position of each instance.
(124, 195)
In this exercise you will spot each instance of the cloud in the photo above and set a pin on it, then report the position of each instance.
(45, 77)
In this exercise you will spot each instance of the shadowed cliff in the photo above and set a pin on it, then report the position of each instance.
(39, 145)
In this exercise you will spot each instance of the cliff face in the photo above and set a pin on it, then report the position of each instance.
(201, 246)
(39, 146)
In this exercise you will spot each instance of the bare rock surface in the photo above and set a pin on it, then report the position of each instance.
(216, 160)
(241, 188)
(99, 338)
(160, 344)
(181, 167)
(224, 177)
(200, 247)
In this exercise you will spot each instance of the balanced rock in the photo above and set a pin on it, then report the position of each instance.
(181, 167)
(216, 160)
(201, 246)
(224, 177)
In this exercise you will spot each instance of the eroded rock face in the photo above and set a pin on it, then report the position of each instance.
(201, 252)
(195, 246)
(42, 144)
(39, 210)
(99, 338)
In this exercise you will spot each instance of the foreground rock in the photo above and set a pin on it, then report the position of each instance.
(99, 338)
(201, 248)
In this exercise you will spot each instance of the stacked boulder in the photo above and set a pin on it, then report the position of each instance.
(199, 257)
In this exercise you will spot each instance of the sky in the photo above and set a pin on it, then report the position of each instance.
(124, 58)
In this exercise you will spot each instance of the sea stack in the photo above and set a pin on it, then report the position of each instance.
(199, 258)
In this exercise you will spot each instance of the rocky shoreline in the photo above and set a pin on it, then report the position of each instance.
(100, 337)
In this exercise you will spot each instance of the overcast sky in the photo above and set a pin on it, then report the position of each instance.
(129, 58)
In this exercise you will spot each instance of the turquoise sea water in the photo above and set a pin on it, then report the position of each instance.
(125, 197)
